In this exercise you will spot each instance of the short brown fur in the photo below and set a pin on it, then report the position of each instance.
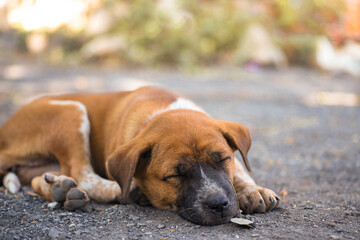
(121, 134)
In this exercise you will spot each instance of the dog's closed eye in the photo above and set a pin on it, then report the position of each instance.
(171, 176)
(224, 159)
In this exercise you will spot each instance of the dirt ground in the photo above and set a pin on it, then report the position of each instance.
(303, 147)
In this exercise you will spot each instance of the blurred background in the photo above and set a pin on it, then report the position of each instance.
(287, 69)
(185, 34)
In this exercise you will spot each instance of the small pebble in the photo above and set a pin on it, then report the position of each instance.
(141, 224)
(53, 205)
(53, 233)
(160, 226)
(130, 225)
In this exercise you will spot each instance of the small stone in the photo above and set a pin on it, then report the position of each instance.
(16, 237)
(140, 224)
(335, 237)
(72, 225)
(160, 226)
(53, 233)
(130, 225)
(53, 205)
(134, 218)
(88, 209)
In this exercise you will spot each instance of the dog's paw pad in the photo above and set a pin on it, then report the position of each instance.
(58, 194)
(61, 186)
(67, 184)
(76, 198)
(65, 190)
(258, 200)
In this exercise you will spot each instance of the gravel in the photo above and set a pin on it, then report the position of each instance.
(308, 151)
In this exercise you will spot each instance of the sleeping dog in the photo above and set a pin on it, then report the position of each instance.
(148, 145)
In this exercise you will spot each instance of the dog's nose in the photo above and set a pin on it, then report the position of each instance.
(217, 202)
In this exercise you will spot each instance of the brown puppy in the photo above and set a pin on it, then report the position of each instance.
(152, 142)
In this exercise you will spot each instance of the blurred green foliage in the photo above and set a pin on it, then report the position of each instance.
(198, 32)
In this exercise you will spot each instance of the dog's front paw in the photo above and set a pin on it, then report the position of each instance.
(65, 190)
(257, 200)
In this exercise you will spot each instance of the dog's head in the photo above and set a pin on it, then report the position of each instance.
(184, 161)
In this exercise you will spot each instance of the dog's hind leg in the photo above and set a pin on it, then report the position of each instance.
(72, 149)
(55, 129)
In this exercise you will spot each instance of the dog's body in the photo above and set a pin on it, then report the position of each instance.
(148, 139)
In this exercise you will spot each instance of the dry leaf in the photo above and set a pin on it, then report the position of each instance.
(283, 193)
(22, 220)
(242, 221)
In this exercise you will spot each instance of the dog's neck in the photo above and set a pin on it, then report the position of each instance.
(180, 103)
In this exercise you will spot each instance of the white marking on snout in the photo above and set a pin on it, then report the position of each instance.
(208, 185)
(12, 182)
(180, 103)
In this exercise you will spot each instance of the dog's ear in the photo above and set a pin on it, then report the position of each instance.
(238, 138)
(125, 161)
